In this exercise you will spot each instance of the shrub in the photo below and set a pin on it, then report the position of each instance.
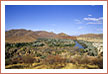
(82, 50)
(28, 59)
(98, 61)
(76, 59)
(16, 60)
(84, 60)
(80, 59)
(43, 57)
(38, 55)
(54, 61)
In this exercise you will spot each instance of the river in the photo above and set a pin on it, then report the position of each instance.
(78, 45)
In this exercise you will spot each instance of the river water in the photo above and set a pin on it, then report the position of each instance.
(78, 45)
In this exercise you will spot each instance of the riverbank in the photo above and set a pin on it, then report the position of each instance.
(51, 54)
(93, 48)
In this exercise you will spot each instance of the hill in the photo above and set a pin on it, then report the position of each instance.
(92, 35)
(62, 34)
(22, 35)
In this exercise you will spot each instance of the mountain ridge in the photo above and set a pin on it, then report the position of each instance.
(23, 35)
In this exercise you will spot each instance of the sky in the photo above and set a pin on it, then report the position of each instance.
(69, 19)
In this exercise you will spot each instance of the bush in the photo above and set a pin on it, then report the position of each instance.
(82, 50)
(98, 61)
(80, 59)
(54, 62)
(38, 55)
(28, 59)
(43, 57)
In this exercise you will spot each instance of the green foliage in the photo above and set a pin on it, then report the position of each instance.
(43, 57)
(55, 53)
(82, 50)
(38, 55)
(92, 51)
(38, 44)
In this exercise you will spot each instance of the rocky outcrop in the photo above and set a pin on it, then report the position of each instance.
(99, 47)
(90, 39)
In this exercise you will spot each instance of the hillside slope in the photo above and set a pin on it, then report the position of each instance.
(22, 35)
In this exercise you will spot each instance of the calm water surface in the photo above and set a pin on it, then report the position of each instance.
(78, 45)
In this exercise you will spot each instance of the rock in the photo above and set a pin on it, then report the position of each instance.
(99, 47)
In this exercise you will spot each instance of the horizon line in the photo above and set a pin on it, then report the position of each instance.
(51, 31)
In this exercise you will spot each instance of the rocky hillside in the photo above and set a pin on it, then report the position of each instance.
(91, 37)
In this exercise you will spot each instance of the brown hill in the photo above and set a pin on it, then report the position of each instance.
(62, 34)
(69, 37)
(44, 34)
(19, 35)
(92, 35)
(22, 35)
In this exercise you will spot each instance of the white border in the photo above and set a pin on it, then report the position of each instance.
(3, 70)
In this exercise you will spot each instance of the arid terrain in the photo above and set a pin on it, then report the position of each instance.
(22, 35)
(26, 49)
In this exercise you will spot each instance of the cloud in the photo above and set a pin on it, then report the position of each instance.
(80, 28)
(93, 19)
(90, 20)
(89, 15)
(78, 21)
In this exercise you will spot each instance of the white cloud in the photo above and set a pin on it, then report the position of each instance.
(100, 18)
(89, 15)
(90, 20)
(80, 28)
(93, 19)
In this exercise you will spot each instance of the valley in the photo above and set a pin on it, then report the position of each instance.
(46, 50)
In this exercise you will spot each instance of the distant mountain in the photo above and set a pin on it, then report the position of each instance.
(22, 35)
(92, 35)
(62, 34)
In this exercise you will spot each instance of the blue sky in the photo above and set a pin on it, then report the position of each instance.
(70, 19)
